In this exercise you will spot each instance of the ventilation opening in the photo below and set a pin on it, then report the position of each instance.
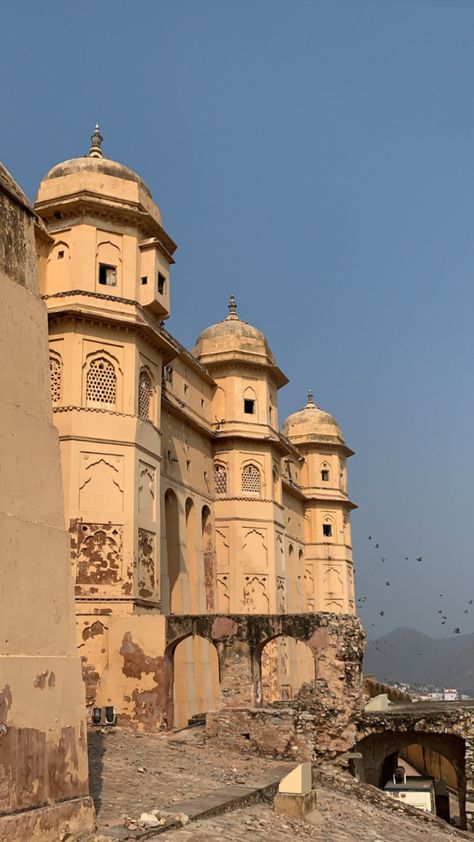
(107, 275)
(249, 406)
(325, 476)
(144, 280)
(327, 530)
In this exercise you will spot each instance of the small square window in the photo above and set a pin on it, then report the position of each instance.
(249, 406)
(161, 283)
(60, 255)
(325, 476)
(107, 275)
(144, 280)
(327, 530)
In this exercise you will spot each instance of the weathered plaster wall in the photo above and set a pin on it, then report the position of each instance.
(43, 752)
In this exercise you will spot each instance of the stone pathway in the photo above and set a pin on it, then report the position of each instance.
(134, 773)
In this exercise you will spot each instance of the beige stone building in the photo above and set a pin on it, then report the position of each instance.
(182, 495)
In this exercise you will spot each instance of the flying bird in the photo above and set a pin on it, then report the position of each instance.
(376, 546)
(370, 537)
(457, 630)
(420, 558)
(383, 559)
(470, 602)
(466, 611)
(381, 613)
(388, 584)
(406, 558)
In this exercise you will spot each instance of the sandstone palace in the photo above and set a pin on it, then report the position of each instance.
(201, 530)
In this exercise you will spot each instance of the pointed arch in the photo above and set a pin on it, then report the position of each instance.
(101, 380)
(251, 479)
(220, 478)
(146, 394)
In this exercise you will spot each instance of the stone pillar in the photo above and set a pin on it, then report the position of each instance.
(236, 676)
(43, 746)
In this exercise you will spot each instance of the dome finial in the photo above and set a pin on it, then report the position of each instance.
(232, 308)
(96, 143)
(310, 398)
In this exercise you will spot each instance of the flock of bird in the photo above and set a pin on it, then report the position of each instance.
(443, 617)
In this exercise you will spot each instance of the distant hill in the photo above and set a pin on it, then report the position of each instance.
(410, 656)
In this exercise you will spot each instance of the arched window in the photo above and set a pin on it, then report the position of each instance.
(101, 388)
(251, 480)
(55, 369)
(328, 527)
(250, 401)
(145, 395)
(220, 474)
(325, 472)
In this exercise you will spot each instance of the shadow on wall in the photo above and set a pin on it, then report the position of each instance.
(96, 750)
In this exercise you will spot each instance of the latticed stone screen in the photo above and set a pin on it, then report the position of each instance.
(221, 479)
(101, 383)
(55, 371)
(145, 392)
(251, 479)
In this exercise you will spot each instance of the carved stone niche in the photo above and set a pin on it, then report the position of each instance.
(146, 563)
(97, 549)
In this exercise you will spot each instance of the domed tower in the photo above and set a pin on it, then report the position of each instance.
(104, 273)
(247, 454)
(323, 481)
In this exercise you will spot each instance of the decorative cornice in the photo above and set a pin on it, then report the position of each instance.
(72, 407)
(116, 599)
(90, 294)
(219, 498)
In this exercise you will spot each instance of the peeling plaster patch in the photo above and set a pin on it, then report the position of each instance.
(6, 701)
(25, 785)
(40, 680)
(149, 703)
(224, 627)
(91, 680)
(97, 550)
(93, 630)
(319, 639)
(146, 563)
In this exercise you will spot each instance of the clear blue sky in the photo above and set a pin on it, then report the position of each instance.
(316, 158)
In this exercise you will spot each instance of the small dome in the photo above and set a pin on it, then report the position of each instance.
(312, 424)
(233, 337)
(97, 176)
(104, 166)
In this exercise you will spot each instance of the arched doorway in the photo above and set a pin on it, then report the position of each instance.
(195, 679)
(173, 550)
(285, 665)
(441, 756)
